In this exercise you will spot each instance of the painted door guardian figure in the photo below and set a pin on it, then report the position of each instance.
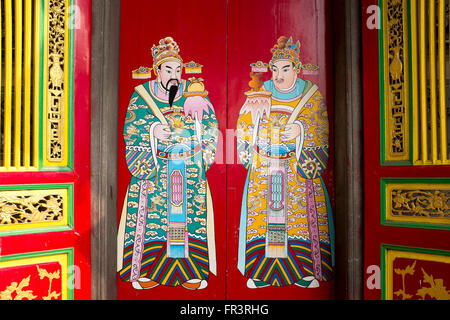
(166, 232)
(286, 232)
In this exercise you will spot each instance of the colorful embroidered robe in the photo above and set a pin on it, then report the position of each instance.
(167, 232)
(286, 228)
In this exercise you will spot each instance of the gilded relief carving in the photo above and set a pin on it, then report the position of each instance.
(43, 273)
(395, 52)
(422, 203)
(56, 84)
(19, 208)
(17, 291)
(431, 288)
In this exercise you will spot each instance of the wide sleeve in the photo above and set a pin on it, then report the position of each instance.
(313, 157)
(244, 138)
(210, 137)
(139, 124)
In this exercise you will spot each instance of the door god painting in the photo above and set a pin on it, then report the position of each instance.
(286, 230)
(166, 232)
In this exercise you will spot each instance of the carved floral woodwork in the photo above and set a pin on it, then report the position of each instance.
(23, 208)
(395, 51)
(57, 86)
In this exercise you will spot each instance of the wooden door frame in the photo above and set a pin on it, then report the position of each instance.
(104, 124)
(349, 149)
(348, 146)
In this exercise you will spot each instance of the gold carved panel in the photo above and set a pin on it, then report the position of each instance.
(421, 203)
(36, 209)
(395, 77)
(415, 273)
(42, 275)
(56, 121)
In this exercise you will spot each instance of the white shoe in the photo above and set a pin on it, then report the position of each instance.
(308, 282)
(203, 285)
(251, 284)
(195, 284)
(256, 284)
(136, 285)
(314, 284)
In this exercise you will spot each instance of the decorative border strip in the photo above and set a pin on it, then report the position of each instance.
(57, 86)
(394, 66)
(42, 227)
(390, 252)
(64, 256)
(423, 198)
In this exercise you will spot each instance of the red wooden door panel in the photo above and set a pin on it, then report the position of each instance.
(401, 246)
(199, 29)
(253, 29)
(225, 37)
(62, 249)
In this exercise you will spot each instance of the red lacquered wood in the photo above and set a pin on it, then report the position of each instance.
(253, 29)
(202, 33)
(199, 28)
(80, 237)
(374, 233)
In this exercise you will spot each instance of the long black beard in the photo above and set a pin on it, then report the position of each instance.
(172, 94)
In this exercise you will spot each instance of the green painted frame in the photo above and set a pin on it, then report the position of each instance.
(70, 262)
(70, 95)
(385, 247)
(385, 222)
(382, 92)
(70, 205)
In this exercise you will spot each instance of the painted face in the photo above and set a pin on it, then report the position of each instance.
(169, 74)
(284, 75)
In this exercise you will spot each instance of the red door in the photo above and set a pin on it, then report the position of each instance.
(199, 28)
(45, 168)
(250, 39)
(406, 237)
(225, 38)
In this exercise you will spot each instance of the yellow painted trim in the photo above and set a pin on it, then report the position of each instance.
(62, 259)
(406, 102)
(37, 79)
(430, 163)
(65, 161)
(386, 80)
(413, 186)
(27, 83)
(45, 84)
(429, 70)
(423, 82)
(389, 122)
(415, 81)
(8, 85)
(433, 98)
(391, 255)
(442, 81)
(65, 112)
(18, 83)
(37, 225)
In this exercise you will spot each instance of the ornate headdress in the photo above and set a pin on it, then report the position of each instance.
(166, 50)
(285, 49)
